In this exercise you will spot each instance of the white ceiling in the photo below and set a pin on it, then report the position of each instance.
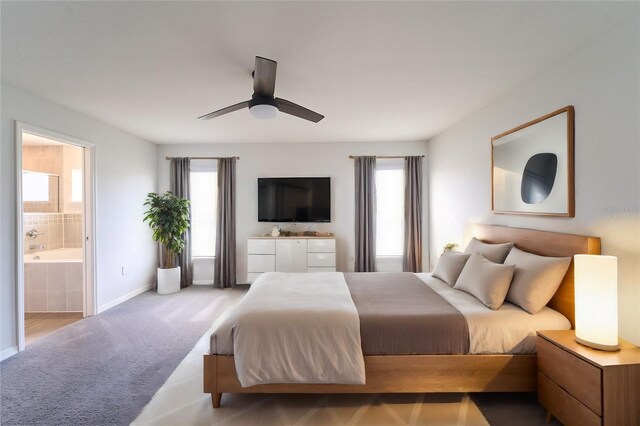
(377, 71)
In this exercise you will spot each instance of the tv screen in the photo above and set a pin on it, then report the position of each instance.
(299, 199)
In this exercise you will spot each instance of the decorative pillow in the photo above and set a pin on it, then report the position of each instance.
(449, 266)
(536, 278)
(486, 280)
(494, 252)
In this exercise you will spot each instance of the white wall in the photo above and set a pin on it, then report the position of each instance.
(125, 172)
(602, 82)
(293, 159)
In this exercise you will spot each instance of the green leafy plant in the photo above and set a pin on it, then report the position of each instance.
(168, 218)
(450, 246)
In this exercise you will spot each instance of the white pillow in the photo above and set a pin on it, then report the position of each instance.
(486, 280)
(494, 252)
(449, 266)
(536, 278)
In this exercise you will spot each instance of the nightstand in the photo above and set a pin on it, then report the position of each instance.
(584, 386)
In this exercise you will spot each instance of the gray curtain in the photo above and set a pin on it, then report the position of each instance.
(180, 186)
(412, 256)
(365, 179)
(225, 263)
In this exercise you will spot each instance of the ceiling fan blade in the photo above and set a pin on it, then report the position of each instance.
(264, 77)
(224, 111)
(297, 110)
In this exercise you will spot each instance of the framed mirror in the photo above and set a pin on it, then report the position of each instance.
(532, 167)
(40, 192)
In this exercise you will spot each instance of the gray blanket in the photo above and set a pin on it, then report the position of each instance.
(400, 314)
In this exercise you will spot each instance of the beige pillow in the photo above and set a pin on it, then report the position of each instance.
(449, 266)
(486, 280)
(494, 252)
(536, 278)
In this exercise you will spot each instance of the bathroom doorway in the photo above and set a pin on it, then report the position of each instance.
(55, 239)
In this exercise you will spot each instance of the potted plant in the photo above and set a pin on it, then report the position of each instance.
(168, 217)
(449, 247)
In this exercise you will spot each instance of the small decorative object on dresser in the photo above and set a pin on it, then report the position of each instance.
(275, 231)
(585, 386)
(449, 247)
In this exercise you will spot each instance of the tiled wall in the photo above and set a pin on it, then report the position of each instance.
(72, 230)
(56, 230)
(53, 287)
(43, 159)
(50, 229)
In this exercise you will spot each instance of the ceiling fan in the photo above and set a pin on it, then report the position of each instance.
(262, 103)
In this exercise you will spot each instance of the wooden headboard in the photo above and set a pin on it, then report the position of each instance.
(545, 243)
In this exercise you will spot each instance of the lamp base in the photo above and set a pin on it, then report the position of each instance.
(599, 346)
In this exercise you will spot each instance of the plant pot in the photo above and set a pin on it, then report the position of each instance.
(168, 280)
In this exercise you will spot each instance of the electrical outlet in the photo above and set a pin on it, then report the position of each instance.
(124, 270)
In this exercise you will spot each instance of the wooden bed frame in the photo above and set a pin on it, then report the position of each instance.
(436, 373)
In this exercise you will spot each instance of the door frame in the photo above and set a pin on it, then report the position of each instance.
(90, 303)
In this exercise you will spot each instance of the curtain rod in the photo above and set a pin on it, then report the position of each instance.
(387, 156)
(201, 158)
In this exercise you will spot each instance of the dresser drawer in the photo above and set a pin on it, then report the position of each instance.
(321, 259)
(261, 246)
(564, 407)
(261, 263)
(577, 377)
(321, 245)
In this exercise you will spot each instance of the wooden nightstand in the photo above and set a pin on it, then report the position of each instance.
(584, 386)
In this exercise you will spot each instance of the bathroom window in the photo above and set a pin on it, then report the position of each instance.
(76, 185)
(204, 198)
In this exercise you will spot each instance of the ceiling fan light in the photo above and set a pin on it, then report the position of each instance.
(264, 111)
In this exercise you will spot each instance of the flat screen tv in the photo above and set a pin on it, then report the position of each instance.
(294, 199)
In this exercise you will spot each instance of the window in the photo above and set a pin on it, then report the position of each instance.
(204, 197)
(389, 207)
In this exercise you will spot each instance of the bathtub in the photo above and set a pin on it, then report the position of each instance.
(54, 256)
(54, 281)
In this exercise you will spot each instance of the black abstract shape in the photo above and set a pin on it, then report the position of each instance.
(538, 177)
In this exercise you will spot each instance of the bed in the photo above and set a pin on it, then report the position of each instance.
(451, 371)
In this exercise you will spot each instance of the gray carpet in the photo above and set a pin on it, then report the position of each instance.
(104, 369)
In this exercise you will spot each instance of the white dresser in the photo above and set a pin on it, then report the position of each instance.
(290, 254)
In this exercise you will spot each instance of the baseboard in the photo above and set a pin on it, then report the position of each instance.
(124, 298)
(7, 353)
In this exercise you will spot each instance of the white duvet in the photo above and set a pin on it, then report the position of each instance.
(294, 328)
(507, 330)
(304, 328)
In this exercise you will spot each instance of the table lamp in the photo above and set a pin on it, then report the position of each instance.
(596, 297)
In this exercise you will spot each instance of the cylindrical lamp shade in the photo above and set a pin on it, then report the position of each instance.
(596, 293)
